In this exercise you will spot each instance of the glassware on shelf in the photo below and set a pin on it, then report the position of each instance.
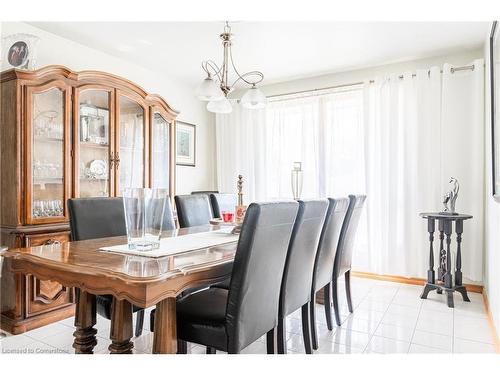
(47, 126)
(47, 208)
(45, 170)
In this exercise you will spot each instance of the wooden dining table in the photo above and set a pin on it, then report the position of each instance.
(130, 279)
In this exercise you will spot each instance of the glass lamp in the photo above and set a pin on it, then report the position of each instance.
(220, 106)
(209, 90)
(254, 99)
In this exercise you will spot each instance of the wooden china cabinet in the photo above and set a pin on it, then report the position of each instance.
(70, 134)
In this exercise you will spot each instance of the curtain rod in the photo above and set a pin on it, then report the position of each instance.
(452, 70)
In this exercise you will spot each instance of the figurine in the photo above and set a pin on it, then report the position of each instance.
(450, 197)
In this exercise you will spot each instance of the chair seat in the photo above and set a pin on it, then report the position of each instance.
(201, 318)
(104, 303)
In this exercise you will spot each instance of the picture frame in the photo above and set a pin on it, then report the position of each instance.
(185, 142)
(19, 51)
(495, 108)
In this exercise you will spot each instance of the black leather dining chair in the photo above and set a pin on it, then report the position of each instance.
(325, 259)
(92, 218)
(207, 192)
(223, 202)
(231, 319)
(193, 210)
(343, 257)
(298, 272)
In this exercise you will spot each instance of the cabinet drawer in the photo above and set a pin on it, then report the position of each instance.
(46, 295)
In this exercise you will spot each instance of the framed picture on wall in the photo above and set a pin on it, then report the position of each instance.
(495, 108)
(185, 144)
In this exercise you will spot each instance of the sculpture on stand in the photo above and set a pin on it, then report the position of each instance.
(450, 198)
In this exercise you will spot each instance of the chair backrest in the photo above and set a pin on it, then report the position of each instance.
(96, 218)
(193, 210)
(205, 192)
(299, 265)
(343, 258)
(327, 247)
(223, 202)
(104, 217)
(252, 307)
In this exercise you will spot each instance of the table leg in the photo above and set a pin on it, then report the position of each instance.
(458, 271)
(431, 276)
(165, 334)
(85, 320)
(448, 277)
(442, 252)
(121, 327)
(459, 229)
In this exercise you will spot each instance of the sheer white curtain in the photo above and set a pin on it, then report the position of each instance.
(397, 140)
(319, 131)
(419, 132)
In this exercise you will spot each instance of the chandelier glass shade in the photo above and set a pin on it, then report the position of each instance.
(216, 87)
(220, 106)
(209, 90)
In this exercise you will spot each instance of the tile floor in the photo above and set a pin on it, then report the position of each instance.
(388, 318)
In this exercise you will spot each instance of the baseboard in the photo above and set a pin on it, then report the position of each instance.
(491, 321)
(473, 288)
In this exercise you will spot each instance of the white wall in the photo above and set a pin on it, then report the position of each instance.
(53, 49)
(492, 212)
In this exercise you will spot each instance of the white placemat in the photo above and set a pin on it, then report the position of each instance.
(181, 244)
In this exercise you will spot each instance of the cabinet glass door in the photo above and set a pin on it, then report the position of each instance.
(47, 116)
(130, 158)
(93, 160)
(160, 152)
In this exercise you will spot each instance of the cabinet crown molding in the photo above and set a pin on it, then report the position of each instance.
(85, 77)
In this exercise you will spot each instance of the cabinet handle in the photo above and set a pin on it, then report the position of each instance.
(52, 242)
(111, 160)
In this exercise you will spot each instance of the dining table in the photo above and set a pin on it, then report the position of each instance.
(132, 280)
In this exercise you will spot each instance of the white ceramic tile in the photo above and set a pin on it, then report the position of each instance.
(438, 303)
(468, 346)
(16, 343)
(420, 349)
(360, 325)
(400, 320)
(385, 345)
(374, 305)
(374, 316)
(407, 311)
(63, 342)
(296, 344)
(466, 327)
(407, 300)
(50, 330)
(433, 340)
(255, 348)
(436, 322)
(395, 332)
(351, 338)
(144, 342)
(42, 348)
(70, 322)
(328, 347)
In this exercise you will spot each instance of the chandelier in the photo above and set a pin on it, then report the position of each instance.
(216, 87)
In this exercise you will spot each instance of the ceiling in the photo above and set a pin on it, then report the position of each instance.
(281, 50)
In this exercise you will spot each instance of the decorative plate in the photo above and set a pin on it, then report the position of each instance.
(98, 168)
